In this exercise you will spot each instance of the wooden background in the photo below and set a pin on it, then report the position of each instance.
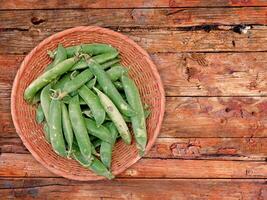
(212, 58)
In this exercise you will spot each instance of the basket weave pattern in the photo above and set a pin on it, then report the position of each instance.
(141, 69)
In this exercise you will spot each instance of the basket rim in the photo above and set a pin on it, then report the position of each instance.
(22, 68)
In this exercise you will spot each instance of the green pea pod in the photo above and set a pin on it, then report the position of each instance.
(138, 121)
(67, 99)
(47, 77)
(36, 98)
(76, 83)
(115, 73)
(106, 148)
(97, 48)
(79, 128)
(46, 132)
(115, 116)
(39, 114)
(94, 104)
(59, 57)
(55, 128)
(101, 132)
(110, 63)
(62, 81)
(102, 58)
(96, 166)
(90, 84)
(67, 128)
(109, 88)
(118, 85)
(45, 101)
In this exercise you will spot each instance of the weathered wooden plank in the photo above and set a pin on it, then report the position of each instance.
(18, 165)
(56, 4)
(184, 148)
(182, 189)
(142, 18)
(154, 41)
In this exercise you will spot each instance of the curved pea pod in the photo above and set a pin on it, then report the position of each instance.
(45, 100)
(115, 116)
(76, 83)
(59, 57)
(39, 114)
(46, 132)
(97, 48)
(115, 73)
(90, 84)
(96, 166)
(94, 104)
(47, 77)
(138, 121)
(110, 63)
(79, 128)
(106, 148)
(55, 128)
(102, 58)
(67, 128)
(111, 91)
(101, 132)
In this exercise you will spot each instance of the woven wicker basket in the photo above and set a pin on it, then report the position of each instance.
(141, 69)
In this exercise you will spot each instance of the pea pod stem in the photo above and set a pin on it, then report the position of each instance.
(59, 57)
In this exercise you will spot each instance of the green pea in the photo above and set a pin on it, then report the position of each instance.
(39, 114)
(101, 132)
(138, 120)
(115, 116)
(55, 128)
(79, 128)
(47, 77)
(94, 104)
(67, 128)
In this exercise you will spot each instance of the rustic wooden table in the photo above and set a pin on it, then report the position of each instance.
(211, 55)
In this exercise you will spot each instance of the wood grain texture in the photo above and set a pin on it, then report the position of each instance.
(21, 165)
(132, 18)
(250, 149)
(153, 41)
(53, 4)
(183, 189)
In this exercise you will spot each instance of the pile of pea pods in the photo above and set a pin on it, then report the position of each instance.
(86, 102)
